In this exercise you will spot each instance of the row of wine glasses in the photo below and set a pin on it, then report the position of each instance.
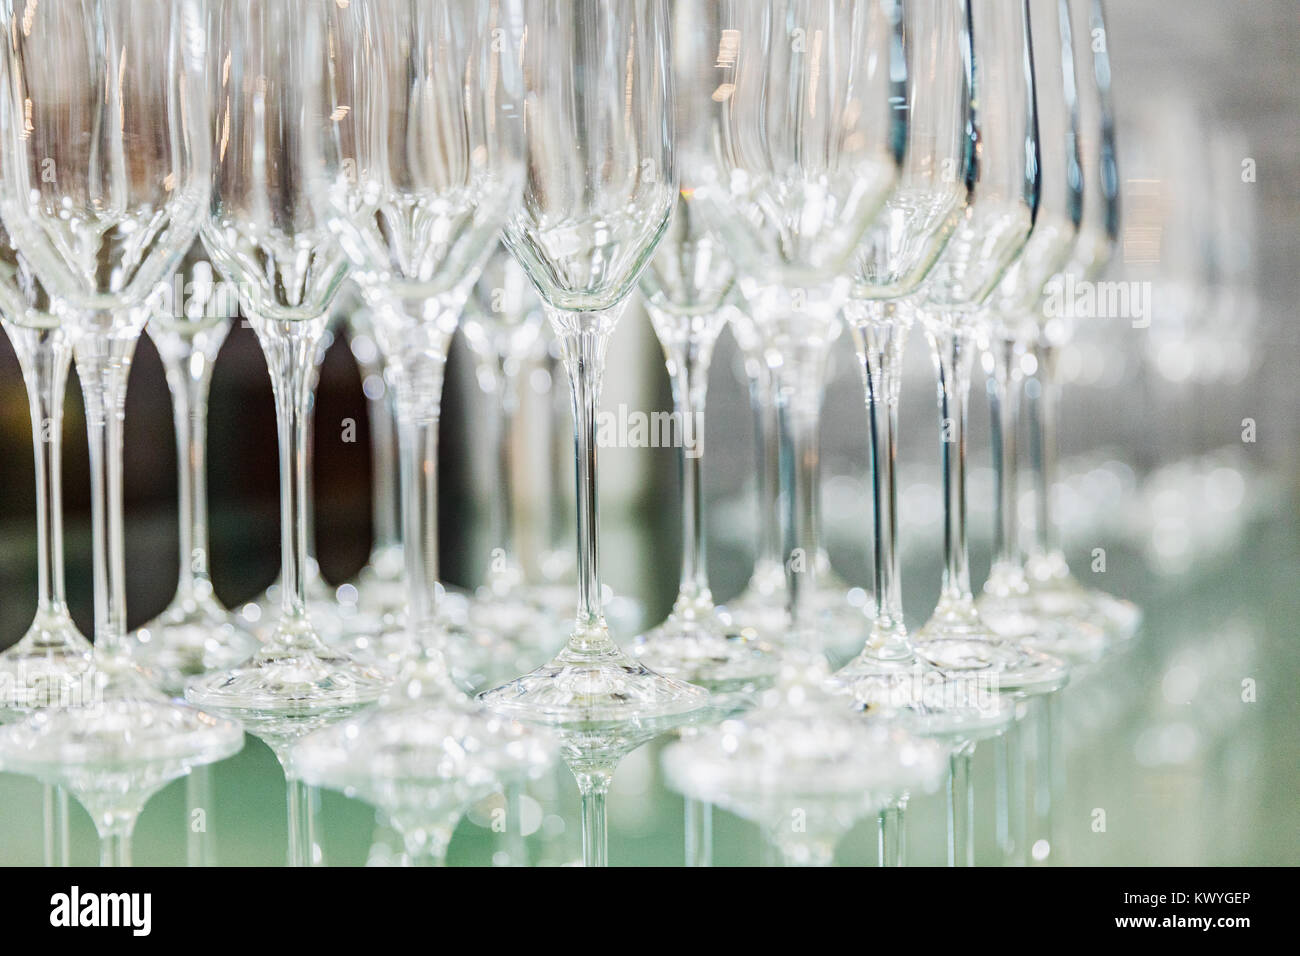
(790, 167)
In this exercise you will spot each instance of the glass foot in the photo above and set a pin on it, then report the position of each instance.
(47, 667)
(114, 755)
(959, 707)
(193, 636)
(807, 757)
(293, 675)
(1117, 619)
(696, 645)
(591, 683)
(417, 762)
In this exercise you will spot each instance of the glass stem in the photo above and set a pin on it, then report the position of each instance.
(115, 847)
(798, 382)
(953, 348)
(507, 407)
(767, 564)
(290, 348)
(594, 787)
(961, 809)
(380, 411)
(688, 358)
(55, 807)
(199, 795)
(891, 846)
(699, 833)
(103, 355)
(417, 377)
(584, 338)
(1006, 576)
(188, 365)
(879, 332)
(1045, 723)
(302, 801)
(45, 356)
(1046, 558)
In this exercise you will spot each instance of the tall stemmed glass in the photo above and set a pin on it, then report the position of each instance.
(263, 234)
(1058, 594)
(379, 586)
(195, 634)
(49, 664)
(105, 172)
(1005, 601)
(1003, 187)
(601, 182)
(686, 290)
(502, 325)
(920, 216)
(417, 192)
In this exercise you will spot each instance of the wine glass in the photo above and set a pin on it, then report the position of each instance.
(932, 102)
(1005, 603)
(687, 287)
(601, 179)
(1058, 594)
(502, 325)
(264, 235)
(1002, 198)
(105, 173)
(195, 634)
(48, 664)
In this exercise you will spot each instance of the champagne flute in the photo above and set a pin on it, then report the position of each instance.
(686, 289)
(601, 182)
(1058, 594)
(263, 235)
(195, 634)
(105, 172)
(47, 665)
(1003, 196)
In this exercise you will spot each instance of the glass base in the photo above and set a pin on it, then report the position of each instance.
(804, 753)
(928, 701)
(114, 755)
(696, 645)
(293, 675)
(592, 684)
(1020, 618)
(956, 639)
(194, 636)
(47, 667)
(329, 617)
(845, 616)
(1117, 619)
(425, 760)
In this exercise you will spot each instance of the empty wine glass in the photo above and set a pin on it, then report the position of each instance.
(888, 677)
(195, 634)
(1002, 189)
(686, 290)
(601, 182)
(1005, 604)
(105, 173)
(48, 665)
(1058, 594)
(502, 325)
(263, 235)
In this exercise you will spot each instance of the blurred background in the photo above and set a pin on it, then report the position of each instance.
(1180, 458)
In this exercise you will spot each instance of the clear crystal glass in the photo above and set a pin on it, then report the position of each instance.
(601, 180)
(102, 196)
